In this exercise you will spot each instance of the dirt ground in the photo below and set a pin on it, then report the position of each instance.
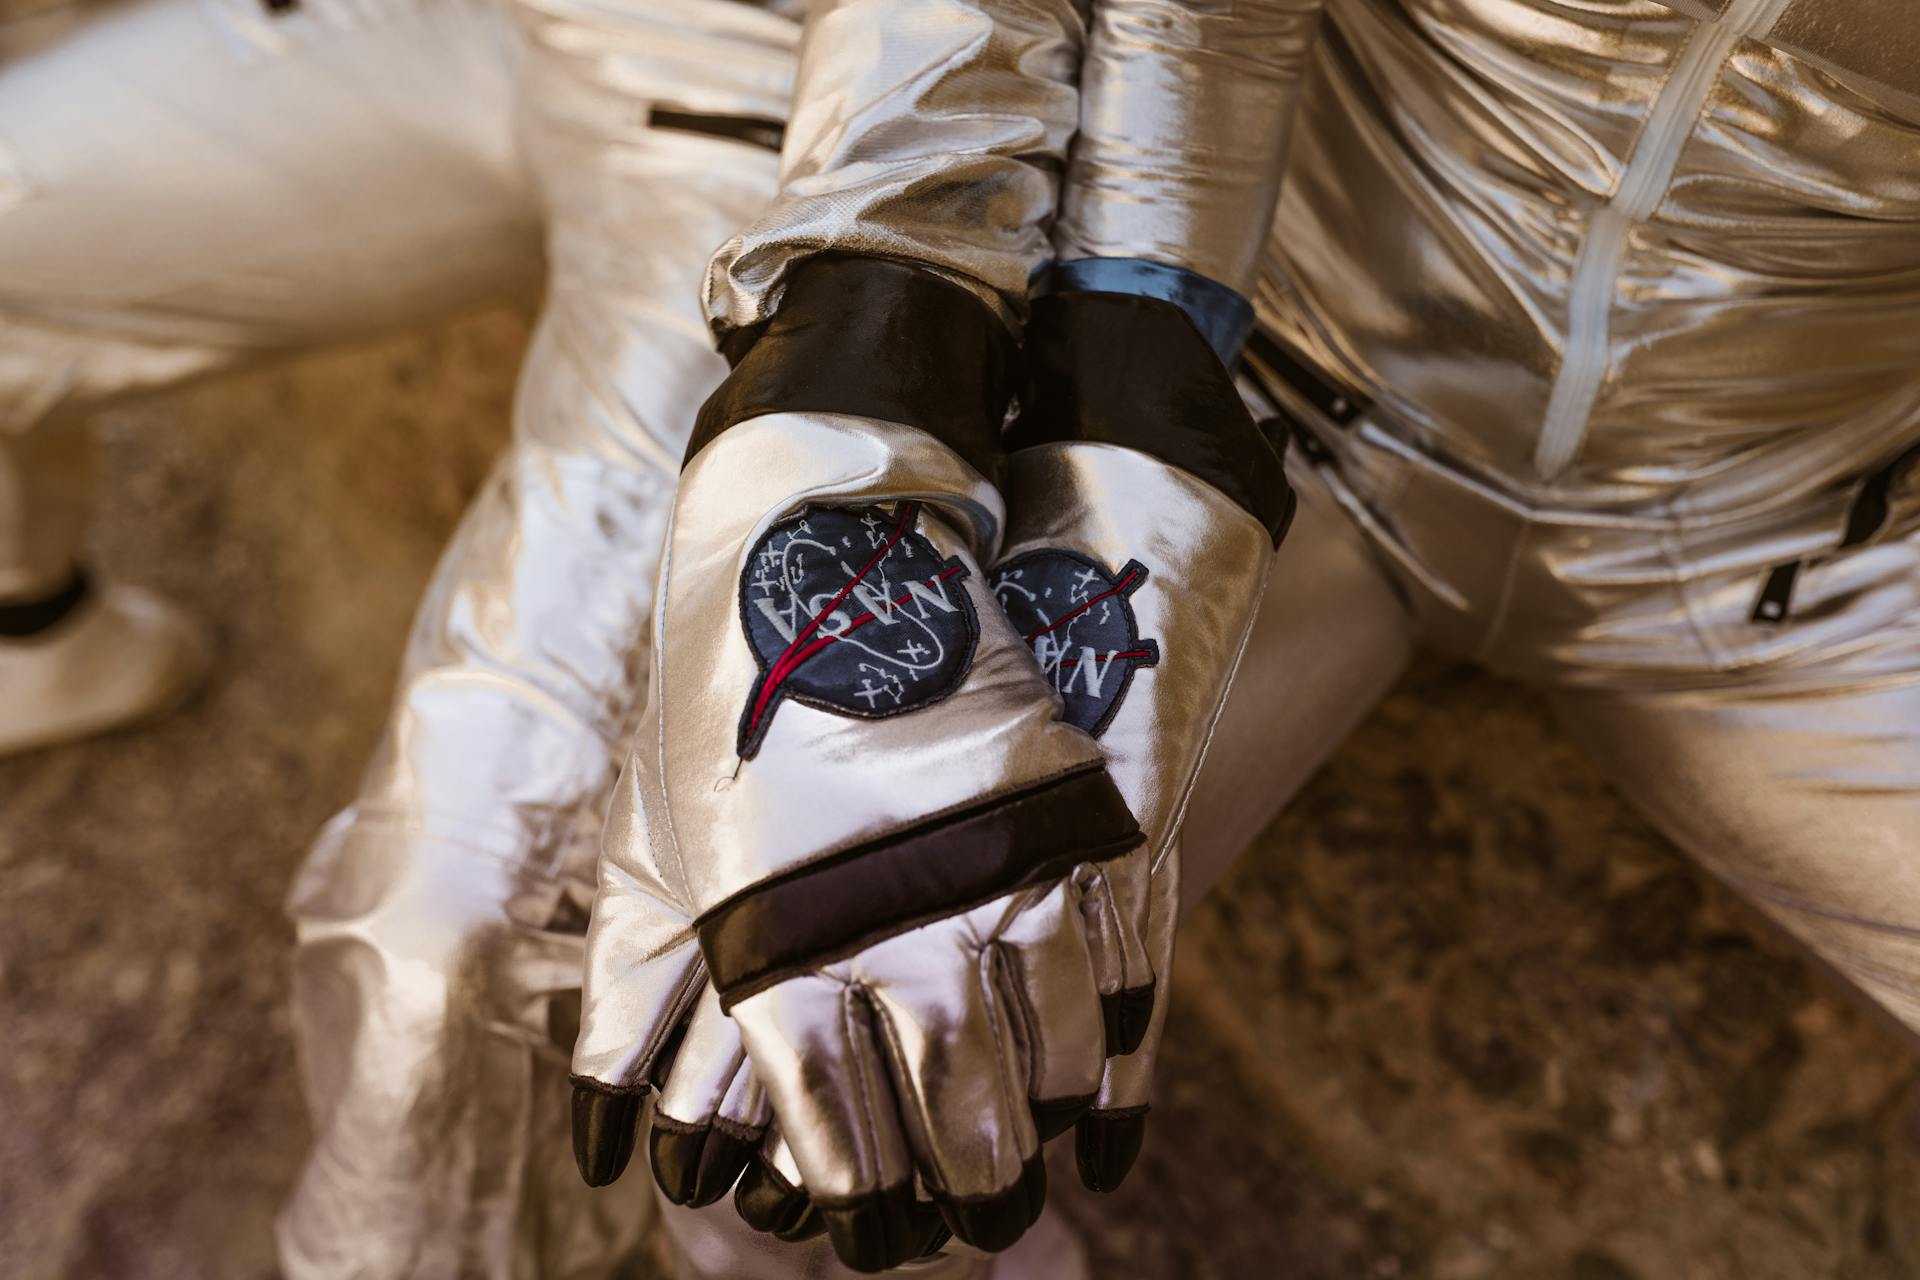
(1459, 1015)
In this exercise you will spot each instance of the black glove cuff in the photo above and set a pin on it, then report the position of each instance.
(1122, 369)
(873, 339)
(839, 905)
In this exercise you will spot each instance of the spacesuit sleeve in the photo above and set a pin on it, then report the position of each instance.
(1186, 108)
(926, 131)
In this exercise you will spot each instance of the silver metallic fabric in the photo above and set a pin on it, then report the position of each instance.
(1621, 255)
(1184, 114)
(440, 915)
(326, 173)
(931, 131)
(1702, 212)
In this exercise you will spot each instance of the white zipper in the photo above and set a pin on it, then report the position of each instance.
(1649, 172)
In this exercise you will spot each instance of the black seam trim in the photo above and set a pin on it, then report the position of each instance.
(945, 817)
(1118, 1113)
(858, 1200)
(992, 1197)
(1133, 371)
(613, 1090)
(756, 131)
(661, 1120)
(737, 1131)
(739, 968)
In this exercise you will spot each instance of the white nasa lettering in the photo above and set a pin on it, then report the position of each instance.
(932, 592)
(775, 616)
(877, 602)
(1091, 671)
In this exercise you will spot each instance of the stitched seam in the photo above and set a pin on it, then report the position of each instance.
(862, 1065)
(1013, 1105)
(1015, 991)
(1497, 620)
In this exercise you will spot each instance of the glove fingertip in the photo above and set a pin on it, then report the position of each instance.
(995, 1222)
(697, 1164)
(877, 1231)
(768, 1203)
(1126, 1014)
(1053, 1117)
(1106, 1144)
(605, 1126)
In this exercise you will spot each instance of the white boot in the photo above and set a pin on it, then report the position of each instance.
(123, 657)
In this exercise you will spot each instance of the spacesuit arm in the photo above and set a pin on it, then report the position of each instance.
(1186, 108)
(926, 131)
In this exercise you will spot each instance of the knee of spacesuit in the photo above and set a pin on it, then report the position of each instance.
(424, 981)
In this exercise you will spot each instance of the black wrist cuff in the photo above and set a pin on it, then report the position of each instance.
(831, 908)
(873, 339)
(1122, 369)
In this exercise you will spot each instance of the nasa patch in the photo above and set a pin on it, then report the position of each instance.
(1080, 624)
(852, 610)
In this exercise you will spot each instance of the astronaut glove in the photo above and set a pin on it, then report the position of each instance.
(853, 787)
(1144, 508)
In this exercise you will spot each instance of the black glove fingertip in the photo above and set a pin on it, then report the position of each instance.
(994, 1222)
(1126, 1014)
(605, 1125)
(1106, 1145)
(767, 1202)
(697, 1164)
(877, 1231)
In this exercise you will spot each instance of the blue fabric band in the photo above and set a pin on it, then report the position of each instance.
(1223, 317)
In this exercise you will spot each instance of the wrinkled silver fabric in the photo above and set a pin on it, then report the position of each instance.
(1615, 257)
(933, 132)
(1449, 164)
(329, 172)
(1631, 286)
(441, 913)
(1184, 114)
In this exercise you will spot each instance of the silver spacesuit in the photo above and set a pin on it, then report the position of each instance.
(1593, 324)
(184, 185)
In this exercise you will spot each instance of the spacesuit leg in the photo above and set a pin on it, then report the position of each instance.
(1800, 787)
(439, 917)
(184, 183)
(1330, 639)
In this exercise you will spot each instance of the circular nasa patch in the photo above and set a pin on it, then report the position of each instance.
(1076, 617)
(852, 610)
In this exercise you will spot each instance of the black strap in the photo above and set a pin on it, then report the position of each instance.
(830, 909)
(873, 339)
(758, 131)
(1118, 368)
(1333, 401)
(31, 617)
(1867, 515)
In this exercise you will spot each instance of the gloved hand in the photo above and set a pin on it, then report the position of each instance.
(1144, 508)
(852, 781)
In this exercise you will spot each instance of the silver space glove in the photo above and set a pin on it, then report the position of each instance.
(853, 787)
(1144, 508)
(1144, 505)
